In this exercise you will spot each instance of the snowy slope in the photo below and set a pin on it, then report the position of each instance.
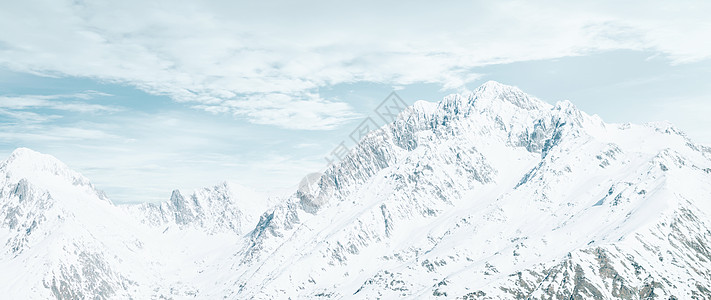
(491, 195)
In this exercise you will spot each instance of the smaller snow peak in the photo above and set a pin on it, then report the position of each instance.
(223, 185)
(451, 104)
(565, 104)
(22, 190)
(183, 210)
(226, 188)
(424, 107)
(566, 111)
(177, 199)
(665, 127)
(566, 107)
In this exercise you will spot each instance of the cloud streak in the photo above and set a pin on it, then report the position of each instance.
(266, 61)
(65, 102)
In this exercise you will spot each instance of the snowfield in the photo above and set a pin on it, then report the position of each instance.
(489, 195)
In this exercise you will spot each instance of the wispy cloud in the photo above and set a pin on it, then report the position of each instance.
(283, 110)
(26, 117)
(64, 102)
(266, 61)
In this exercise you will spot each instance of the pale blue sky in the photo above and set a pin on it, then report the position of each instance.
(143, 100)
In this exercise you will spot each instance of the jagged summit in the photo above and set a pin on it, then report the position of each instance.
(494, 113)
(492, 98)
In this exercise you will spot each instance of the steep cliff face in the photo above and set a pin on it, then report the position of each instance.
(490, 195)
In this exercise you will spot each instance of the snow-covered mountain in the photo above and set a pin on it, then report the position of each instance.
(489, 195)
(61, 238)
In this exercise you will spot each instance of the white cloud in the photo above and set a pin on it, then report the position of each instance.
(265, 61)
(54, 134)
(66, 102)
(286, 111)
(25, 117)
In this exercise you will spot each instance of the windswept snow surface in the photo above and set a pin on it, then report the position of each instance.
(489, 195)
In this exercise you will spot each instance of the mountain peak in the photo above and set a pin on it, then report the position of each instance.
(36, 167)
(25, 160)
(23, 152)
(495, 84)
(495, 87)
(495, 91)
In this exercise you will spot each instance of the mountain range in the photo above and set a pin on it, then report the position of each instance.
(492, 194)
